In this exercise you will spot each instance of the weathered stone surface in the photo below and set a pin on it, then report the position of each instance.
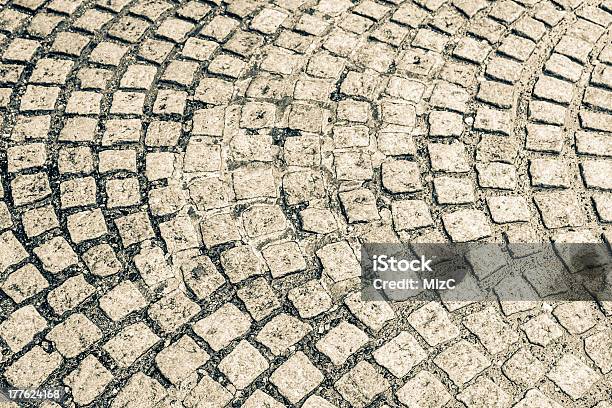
(207, 173)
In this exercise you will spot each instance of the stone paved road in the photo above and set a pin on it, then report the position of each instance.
(184, 186)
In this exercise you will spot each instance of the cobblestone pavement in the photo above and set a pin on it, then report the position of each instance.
(184, 186)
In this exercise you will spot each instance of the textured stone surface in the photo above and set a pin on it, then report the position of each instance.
(185, 186)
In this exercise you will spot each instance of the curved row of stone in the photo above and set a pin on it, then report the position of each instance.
(274, 176)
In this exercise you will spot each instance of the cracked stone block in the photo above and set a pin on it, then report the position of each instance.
(241, 262)
(123, 192)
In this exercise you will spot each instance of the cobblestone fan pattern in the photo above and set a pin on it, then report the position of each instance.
(184, 186)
